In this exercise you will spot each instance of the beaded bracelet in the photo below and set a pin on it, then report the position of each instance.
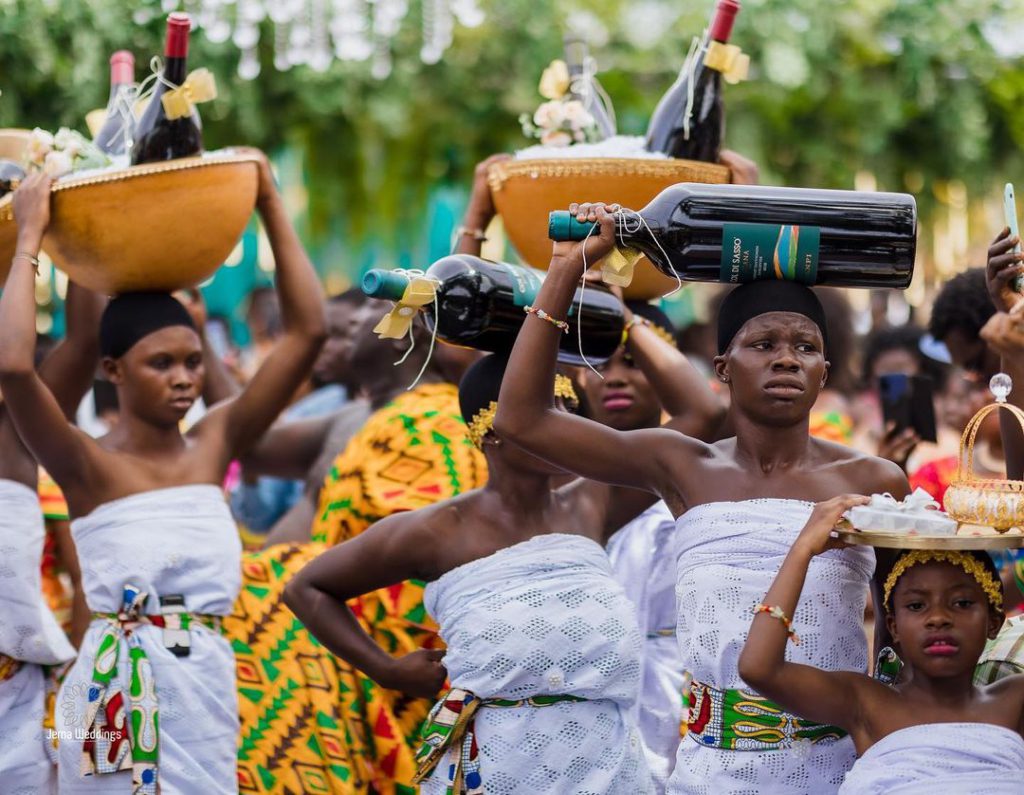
(776, 612)
(561, 324)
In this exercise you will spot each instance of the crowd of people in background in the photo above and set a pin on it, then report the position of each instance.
(262, 565)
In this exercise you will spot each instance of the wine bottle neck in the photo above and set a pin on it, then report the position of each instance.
(174, 70)
(722, 21)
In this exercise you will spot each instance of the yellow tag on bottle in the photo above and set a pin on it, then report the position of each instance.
(617, 267)
(728, 59)
(396, 323)
(199, 86)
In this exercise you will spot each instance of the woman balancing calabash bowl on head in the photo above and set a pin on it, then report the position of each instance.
(159, 552)
(740, 504)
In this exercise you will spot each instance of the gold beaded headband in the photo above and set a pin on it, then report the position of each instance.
(483, 421)
(974, 567)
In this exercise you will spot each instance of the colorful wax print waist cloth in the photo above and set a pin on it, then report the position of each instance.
(28, 630)
(727, 555)
(177, 546)
(450, 727)
(741, 720)
(538, 619)
(961, 758)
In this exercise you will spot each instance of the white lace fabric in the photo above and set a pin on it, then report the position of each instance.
(545, 617)
(727, 555)
(183, 541)
(935, 758)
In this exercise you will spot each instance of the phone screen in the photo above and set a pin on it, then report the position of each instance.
(908, 402)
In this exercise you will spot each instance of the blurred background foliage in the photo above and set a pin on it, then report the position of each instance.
(916, 95)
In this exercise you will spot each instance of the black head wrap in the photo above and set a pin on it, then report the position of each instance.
(481, 384)
(132, 316)
(759, 298)
(661, 322)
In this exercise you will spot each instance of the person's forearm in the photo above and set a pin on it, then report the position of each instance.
(334, 625)
(683, 392)
(764, 653)
(526, 395)
(218, 383)
(18, 310)
(474, 225)
(298, 286)
(70, 369)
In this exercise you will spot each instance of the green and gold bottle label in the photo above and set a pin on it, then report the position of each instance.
(769, 251)
(525, 284)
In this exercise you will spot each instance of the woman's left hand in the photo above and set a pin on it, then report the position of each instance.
(576, 254)
(816, 537)
(32, 210)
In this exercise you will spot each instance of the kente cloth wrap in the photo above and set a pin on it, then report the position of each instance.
(727, 555)
(451, 726)
(28, 630)
(297, 701)
(741, 720)
(57, 588)
(642, 563)
(832, 426)
(934, 758)
(544, 618)
(173, 541)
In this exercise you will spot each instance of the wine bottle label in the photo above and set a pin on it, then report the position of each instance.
(769, 251)
(525, 284)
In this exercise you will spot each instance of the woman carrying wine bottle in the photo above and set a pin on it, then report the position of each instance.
(739, 504)
(30, 637)
(568, 656)
(150, 703)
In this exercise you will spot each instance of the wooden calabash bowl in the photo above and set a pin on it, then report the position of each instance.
(159, 226)
(525, 191)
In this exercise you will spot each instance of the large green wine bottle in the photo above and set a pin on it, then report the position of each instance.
(480, 305)
(741, 233)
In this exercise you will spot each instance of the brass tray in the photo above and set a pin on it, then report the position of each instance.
(905, 541)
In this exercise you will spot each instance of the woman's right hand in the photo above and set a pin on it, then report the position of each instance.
(32, 211)
(1004, 266)
(577, 254)
(419, 673)
(816, 537)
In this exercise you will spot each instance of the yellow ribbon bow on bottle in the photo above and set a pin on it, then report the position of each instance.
(199, 86)
(395, 324)
(730, 60)
(617, 267)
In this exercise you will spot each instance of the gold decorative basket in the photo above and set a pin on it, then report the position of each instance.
(979, 501)
(159, 226)
(525, 191)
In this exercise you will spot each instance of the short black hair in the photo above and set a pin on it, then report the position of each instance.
(481, 384)
(963, 303)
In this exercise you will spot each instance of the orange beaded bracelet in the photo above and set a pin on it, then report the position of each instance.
(560, 324)
(776, 612)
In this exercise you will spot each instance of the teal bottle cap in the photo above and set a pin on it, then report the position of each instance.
(562, 225)
(388, 285)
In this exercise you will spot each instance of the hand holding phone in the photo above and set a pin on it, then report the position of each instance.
(1010, 211)
(907, 402)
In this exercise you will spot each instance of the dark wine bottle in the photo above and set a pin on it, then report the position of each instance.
(582, 85)
(689, 121)
(118, 131)
(156, 136)
(11, 175)
(741, 233)
(480, 305)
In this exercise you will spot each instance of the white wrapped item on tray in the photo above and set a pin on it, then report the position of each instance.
(917, 514)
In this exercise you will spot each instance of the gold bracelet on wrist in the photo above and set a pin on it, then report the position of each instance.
(26, 256)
